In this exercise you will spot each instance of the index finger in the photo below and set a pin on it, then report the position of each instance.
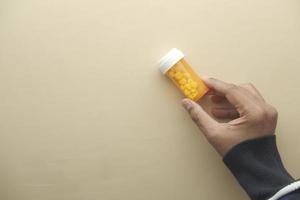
(233, 93)
(217, 85)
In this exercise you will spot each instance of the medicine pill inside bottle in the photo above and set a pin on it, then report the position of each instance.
(174, 66)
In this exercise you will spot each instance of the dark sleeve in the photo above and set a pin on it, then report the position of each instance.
(292, 196)
(257, 166)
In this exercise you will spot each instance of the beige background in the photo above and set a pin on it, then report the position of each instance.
(86, 115)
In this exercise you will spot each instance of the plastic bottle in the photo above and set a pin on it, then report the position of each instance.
(174, 66)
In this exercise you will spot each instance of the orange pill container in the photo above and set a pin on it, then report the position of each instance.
(174, 66)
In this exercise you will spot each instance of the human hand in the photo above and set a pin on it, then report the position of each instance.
(251, 116)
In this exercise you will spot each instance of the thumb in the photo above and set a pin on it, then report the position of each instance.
(205, 122)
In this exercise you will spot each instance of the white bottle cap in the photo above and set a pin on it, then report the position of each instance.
(170, 59)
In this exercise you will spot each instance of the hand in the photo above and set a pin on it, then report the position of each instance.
(251, 116)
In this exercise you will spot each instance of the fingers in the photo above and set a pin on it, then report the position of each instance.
(205, 122)
(217, 85)
(250, 87)
(224, 113)
(213, 92)
(236, 95)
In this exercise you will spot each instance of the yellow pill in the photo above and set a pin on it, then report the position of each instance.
(178, 75)
(188, 86)
(193, 90)
(194, 84)
(182, 81)
(187, 75)
(186, 92)
(190, 80)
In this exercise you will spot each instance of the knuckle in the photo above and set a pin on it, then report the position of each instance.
(194, 116)
(262, 113)
(232, 88)
(211, 79)
(272, 112)
(265, 113)
(250, 85)
(258, 115)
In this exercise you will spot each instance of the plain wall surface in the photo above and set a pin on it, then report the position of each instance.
(86, 115)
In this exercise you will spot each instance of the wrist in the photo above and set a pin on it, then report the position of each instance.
(257, 166)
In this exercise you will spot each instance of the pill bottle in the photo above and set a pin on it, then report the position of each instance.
(175, 67)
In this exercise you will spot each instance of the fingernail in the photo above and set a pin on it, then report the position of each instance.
(187, 103)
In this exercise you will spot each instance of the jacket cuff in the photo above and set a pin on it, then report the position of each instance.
(257, 166)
